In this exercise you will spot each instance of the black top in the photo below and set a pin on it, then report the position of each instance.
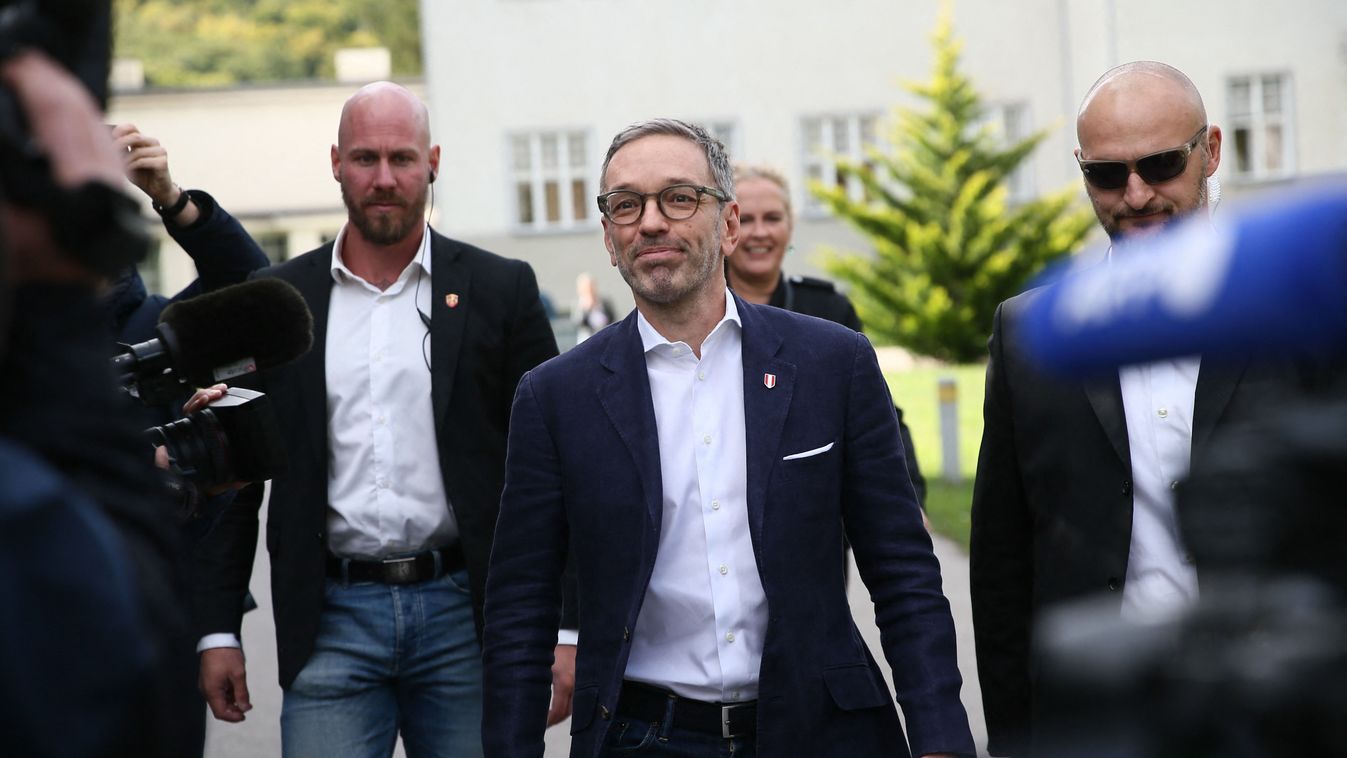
(815, 297)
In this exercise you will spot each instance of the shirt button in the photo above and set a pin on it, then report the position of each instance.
(1174, 484)
(724, 569)
(734, 696)
(382, 419)
(1163, 413)
(730, 637)
(715, 505)
(707, 439)
(701, 375)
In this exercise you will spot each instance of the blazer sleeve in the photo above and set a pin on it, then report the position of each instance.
(1001, 569)
(523, 588)
(896, 560)
(223, 252)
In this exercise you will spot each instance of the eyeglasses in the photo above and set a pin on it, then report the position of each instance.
(1153, 169)
(678, 202)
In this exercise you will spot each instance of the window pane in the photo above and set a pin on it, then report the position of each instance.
(524, 197)
(813, 134)
(1243, 164)
(868, 125)
(549, 149)
(575, 148)
(841, 135)
(1272, 94)
(580, 199)
(1272, 148)
(553, 197)
(1238, 94)
(274, 244)
(519, 152)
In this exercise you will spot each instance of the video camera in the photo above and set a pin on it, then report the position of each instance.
(231, 332)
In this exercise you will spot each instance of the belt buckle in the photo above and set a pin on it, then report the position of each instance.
(399, 570)
(725, 719)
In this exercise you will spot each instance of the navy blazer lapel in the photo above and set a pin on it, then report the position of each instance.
(316, 287)
(1216, 382)
(1105, 395)
(769, 384)
(449, 305)
(625, 397)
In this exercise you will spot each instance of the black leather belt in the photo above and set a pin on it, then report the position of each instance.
(646, 702)
(405, 570)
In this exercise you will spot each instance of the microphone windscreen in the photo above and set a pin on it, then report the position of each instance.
(265, 320)
(1272, 280)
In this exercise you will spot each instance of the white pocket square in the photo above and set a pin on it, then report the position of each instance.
(807, 453)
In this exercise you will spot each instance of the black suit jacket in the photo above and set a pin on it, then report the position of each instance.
(494, 331)
(1052, 503)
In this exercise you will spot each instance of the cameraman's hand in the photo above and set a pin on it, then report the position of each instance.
(146, 164)
(66, 124)
(204, 397)
(224, 683)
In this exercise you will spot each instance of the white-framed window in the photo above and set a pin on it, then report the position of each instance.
(1010, 123)
(1259, 141)
(823, 138)
(550, 180)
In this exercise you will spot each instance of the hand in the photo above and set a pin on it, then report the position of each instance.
(224, 683)
(204, 397)
(563, 684)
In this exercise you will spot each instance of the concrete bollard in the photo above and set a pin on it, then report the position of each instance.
(950, 470)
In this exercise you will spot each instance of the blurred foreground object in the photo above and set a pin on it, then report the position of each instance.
(1271, 279)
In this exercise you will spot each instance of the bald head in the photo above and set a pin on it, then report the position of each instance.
(1158, 87)
(1135, 115)
(384, 101)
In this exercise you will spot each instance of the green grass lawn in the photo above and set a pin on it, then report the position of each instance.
(916, 392)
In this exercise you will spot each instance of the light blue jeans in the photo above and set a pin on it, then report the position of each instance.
(389, 658)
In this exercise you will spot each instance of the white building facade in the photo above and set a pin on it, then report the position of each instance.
(526, 94)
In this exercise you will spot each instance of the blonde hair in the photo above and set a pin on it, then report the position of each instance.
(744, 171)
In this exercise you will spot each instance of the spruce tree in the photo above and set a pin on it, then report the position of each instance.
(948, 246)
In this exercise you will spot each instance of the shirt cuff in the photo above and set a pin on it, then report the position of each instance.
(565, 636)
(223, 639)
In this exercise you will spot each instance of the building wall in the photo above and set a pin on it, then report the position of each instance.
(494, 67)
(497, 68)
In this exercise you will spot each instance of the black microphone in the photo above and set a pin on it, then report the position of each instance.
(235, 330)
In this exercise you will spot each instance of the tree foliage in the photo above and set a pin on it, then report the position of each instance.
(948, 247)
(205, 43)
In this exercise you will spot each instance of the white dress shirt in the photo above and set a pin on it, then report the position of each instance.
(384, 484)
(1158, 404)
(701, 627)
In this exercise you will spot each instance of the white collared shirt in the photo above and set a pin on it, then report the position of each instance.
(384, 484)
(701, 627)
(1158, 404)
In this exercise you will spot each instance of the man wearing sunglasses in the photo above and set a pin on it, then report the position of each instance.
(699, 462)
(1074, 489)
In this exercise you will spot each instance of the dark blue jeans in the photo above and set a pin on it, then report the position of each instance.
(660, 738)
(389, 658)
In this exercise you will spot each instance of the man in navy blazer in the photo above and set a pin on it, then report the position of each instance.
(700, 463)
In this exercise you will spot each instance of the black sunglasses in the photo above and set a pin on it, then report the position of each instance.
(1153, 169)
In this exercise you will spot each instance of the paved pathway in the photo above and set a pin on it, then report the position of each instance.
(259, 736)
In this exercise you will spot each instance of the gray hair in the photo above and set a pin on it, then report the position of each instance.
(716, 158)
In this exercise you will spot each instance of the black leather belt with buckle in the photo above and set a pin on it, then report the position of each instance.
(402, 570)
(646, 702)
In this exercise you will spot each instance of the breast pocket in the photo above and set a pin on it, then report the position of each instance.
(804, 455)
